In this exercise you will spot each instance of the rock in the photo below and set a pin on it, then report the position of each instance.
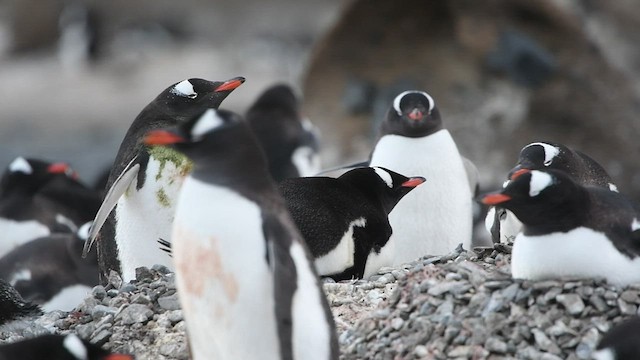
(571, 302)
(134, 313)
(170, 302)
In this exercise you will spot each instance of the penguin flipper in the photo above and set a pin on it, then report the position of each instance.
(118, 188)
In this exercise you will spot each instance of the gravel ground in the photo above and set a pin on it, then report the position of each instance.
(461, 305)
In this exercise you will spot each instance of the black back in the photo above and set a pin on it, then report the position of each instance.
(230, 156)
(168, 109)
(13, 306)
(276, 120)
(623, 340)
(49, 347)
(323, 208)
(412, 114)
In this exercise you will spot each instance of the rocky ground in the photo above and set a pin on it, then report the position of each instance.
(462, 305)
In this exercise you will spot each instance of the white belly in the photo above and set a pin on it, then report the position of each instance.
(437, 216)
(579, 253)
(222, 275)
(16, 233)
(67, 299)
(342, 256)
(145, 216)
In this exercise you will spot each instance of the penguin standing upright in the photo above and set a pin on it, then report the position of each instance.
(38, 198)
(502, 224)
(344, 221)
(433, 219)
(246, 281)
(570, 230)
(289, 140)
(144, 182)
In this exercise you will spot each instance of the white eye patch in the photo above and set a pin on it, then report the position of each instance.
(184, 89)
(550, 152)
(385, 176)
(396, 101)
(20, 165)
(539, 181)
(207, 122)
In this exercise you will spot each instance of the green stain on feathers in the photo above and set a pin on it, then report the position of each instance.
(163, 154)
(163, 199)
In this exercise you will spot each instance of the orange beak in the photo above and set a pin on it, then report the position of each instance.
(230, 84)
(162, 137)
(518, 173)
(495, 199)
(413, 182)
(118, 357)
(58, 168)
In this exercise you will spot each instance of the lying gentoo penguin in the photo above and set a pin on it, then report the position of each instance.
(245, 279)
(344, 221)
(57, 347)
(38, 198)
(13, 306)
(432, 219)
(621, 342)
(51, 272)
(288, 139)
(502, 224)
(570, 230)
(144, 181)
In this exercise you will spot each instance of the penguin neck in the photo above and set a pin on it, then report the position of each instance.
(562, 217)
(242, 179)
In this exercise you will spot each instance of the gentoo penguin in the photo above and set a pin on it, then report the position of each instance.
(621, 342)
(13, 306)
(51, 272)
(57, 347)
(243, 273)
(432, 219)
(38, 198)
(288, 139)
(502, 224)
(344, 221)
(570, 230)
(144, 181)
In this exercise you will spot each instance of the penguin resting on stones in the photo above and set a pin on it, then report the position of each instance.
(344, 221)
(139, 205)
(243, 273)
(570, 230)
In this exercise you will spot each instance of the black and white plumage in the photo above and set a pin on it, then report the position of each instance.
(57, 347)
(502, 224)
(344, 221)
(243, 273)
(432, 219)
(51, 272)
(289, 140)
(570, 230)
(139, 205)
(13, 306)
(621, 342)
(38, 198)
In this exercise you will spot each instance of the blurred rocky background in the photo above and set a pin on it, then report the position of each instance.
(503, 72)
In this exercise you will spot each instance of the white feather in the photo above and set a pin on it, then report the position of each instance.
(17, 233)
(579, 253)
(550, 152)
(396, 101)
(184, 89)
(67, 299)
(20, 165)
(436, 217)
(20, 275)
(341, 257)
(385, 176)
(206, 123)
(539, 181)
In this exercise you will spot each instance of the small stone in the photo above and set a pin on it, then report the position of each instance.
(143, 274)
(385, 270)
(630, 296)
(98, 292)
(397, 323)
(113, 293)
(598, 303)
(463, 351)
(169, 302)
(134, 313)
(587, 344)
(101, 337)
(445, 287)
(495, 345)
(99, 311)
(140, 299)
(420, 351)
(114, 279)
(161, 269)
(544, 342)
(545, 285)
(174, 316)
(572, 303)
(626, 308)
(84, 331)
(128, 288)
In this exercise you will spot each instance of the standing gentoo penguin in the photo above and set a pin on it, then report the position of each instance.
(621, 342)
(144, 182)
(432, 219)
(38, 198)
(246, 281)
(13, 306)
(502, 224)
(51, 272)
(289, 140)
(57, 347)
(570, 230)
(344, 221)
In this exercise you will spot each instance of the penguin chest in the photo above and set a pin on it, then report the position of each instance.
(342, 256)
(145, 215)
(436, 217)
(579, 253)
(225, 283)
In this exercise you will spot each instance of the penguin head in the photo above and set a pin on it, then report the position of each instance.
(537, 196)
(541, 155)
(280, 96)
(187, 97)
(382, 184)
(32, 174)
(412, 114)
(211, 138)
